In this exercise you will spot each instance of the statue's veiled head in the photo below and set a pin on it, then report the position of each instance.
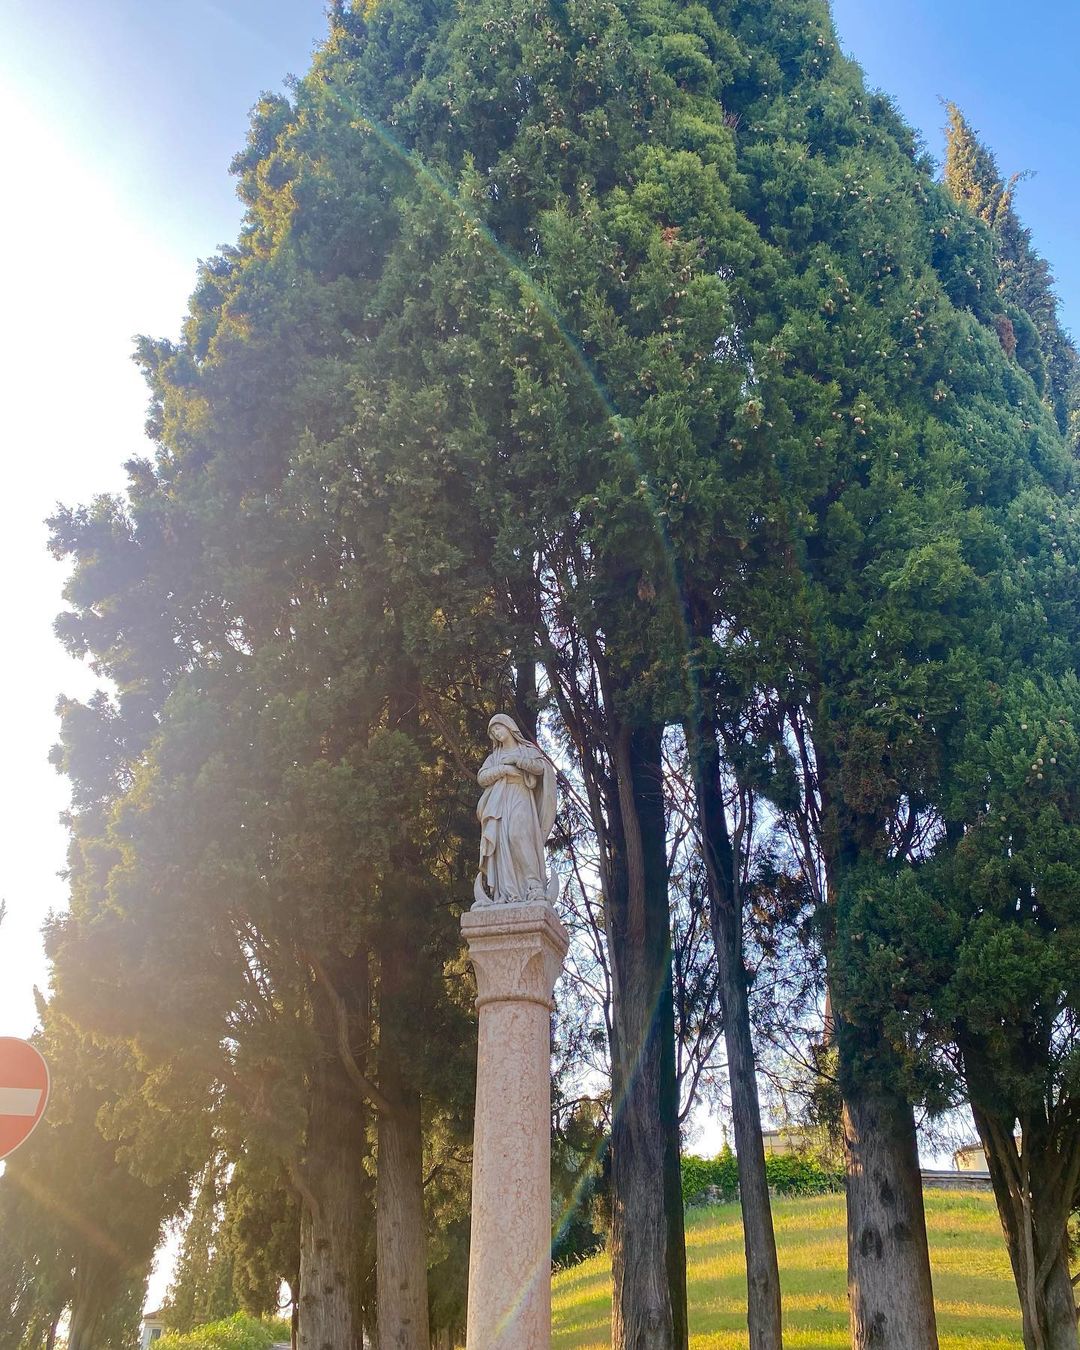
(504, 731)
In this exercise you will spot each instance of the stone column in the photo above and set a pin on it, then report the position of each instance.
(517, 952)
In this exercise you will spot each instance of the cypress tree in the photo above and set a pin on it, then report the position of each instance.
(1031, 328)
(86, 1199)
(202, 1286)
(257, 872)
(1008, 995)
(267, 654)
(901, 433)
(262, 1231)
(1002, 987)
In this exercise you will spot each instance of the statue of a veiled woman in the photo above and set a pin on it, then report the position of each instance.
(516, 813)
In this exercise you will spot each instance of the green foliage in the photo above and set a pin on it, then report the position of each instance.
(202, 1286)
(701, 1175)
(83, 1203)
(904, 439)
(895, 942)
(1013, 886)
(717, 1179)
(262, 1231)
(1025, 282)
(580, 1182)
(239, 1332)
(803, 1174)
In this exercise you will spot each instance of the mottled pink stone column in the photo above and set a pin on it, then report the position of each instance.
(517, 952)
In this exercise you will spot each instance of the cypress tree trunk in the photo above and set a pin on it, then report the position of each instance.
(90, 1299)
(84, 1324)
(725, 919)
(647, 1241)
(400, 1225)
(333, 1215)
(890, 1286)
(889, 1283)
(400, 1229)
(1058, 1305)
(1034, 1213)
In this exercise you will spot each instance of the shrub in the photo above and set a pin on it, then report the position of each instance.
(802, 1174)
(789, 1174)
(239, 1332)
(702, 1175)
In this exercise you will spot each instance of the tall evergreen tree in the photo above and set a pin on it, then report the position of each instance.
(901, 434)
(1030, 329)
(979, 927)
(85, 1200)
(202, 1286)
(261, 824)
(262, 1231)
(1010, 989)
(582, 217)
(281, 752)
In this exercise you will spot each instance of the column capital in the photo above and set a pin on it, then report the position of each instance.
(517, 952)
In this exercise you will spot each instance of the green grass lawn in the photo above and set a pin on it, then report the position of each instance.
(976, 1298)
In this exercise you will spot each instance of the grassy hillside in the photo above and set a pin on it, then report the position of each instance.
(977, 1307)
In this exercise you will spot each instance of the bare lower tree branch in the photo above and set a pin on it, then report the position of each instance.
(302, 1189)
(363, 1085)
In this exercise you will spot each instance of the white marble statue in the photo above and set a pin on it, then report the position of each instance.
(516, 813)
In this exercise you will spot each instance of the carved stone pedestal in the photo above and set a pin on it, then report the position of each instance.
(517, 952)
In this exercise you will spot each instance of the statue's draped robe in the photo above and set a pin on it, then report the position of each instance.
(516, 813)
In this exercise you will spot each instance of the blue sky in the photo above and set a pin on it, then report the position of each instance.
(156, 93)
(1012, 69)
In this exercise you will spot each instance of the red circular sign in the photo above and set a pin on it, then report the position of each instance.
(24, 1090)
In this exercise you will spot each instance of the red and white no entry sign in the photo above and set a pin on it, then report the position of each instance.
(24, 1090)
